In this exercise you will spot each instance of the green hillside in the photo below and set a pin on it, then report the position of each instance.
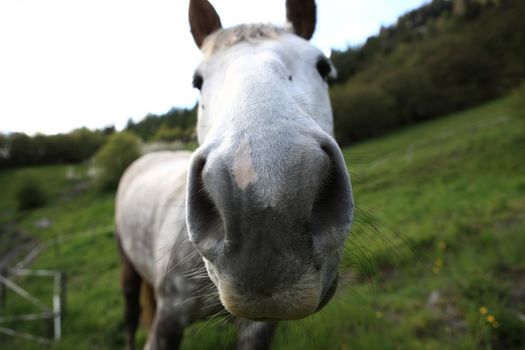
(432, 62)
(434, 261)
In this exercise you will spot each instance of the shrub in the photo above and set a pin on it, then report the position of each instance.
(166, 133)
(414, 93)
(19, 149)
(29, 193)
(114, 157)
(518, 103)
(361, 112)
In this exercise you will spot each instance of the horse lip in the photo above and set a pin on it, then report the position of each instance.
(328, 294)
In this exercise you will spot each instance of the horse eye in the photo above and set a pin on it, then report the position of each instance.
(197, 81)
(324, 68)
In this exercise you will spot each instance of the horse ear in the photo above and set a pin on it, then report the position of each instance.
(204, 20)
(302, 15)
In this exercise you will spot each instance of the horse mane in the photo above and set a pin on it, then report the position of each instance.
(251, 33)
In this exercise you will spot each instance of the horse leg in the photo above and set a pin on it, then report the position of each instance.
(131, 281)
(255, 335)
(167, 330)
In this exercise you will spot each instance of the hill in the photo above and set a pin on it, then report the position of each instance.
(441, 58)
(434, 261)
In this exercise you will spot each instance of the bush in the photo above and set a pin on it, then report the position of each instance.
(19, 149)
(361, 112)
(414, 93)
(30, 193)
(114, 157)
(169, 134)
(518, 103)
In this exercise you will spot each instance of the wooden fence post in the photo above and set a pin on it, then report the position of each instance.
(63, 294)
(57, 318)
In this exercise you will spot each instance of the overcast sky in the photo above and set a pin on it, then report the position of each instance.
(65, 64)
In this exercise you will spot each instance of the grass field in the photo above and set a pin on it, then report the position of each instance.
(435, 259)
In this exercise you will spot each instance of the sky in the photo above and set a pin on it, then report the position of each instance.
(65, 64)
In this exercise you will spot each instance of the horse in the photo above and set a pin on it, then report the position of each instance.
(253, 222)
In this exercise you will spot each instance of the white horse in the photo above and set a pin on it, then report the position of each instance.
(255, 219)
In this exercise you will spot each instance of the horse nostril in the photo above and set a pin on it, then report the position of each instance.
(333, 205)
(203, 218)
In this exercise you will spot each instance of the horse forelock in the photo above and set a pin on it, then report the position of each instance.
(251, 33)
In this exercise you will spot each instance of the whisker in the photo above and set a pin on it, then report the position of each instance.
(170, 258)
(221, 319)
(211, 306)
(222, 312)
(229, 335)
(190, 256)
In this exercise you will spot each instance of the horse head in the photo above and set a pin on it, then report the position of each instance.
(269, 200)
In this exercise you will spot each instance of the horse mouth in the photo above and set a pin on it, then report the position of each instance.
(328, 294)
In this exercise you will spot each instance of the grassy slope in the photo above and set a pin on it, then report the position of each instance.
(439, 233)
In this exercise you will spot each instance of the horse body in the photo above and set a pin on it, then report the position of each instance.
(255, 219)
(153, 238)
(154, 182)
(156, 240)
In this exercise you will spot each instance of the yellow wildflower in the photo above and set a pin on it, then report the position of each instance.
(483, 310)
(490, 319)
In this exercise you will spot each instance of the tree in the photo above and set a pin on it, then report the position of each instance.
(361, 112)
(114, 157)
